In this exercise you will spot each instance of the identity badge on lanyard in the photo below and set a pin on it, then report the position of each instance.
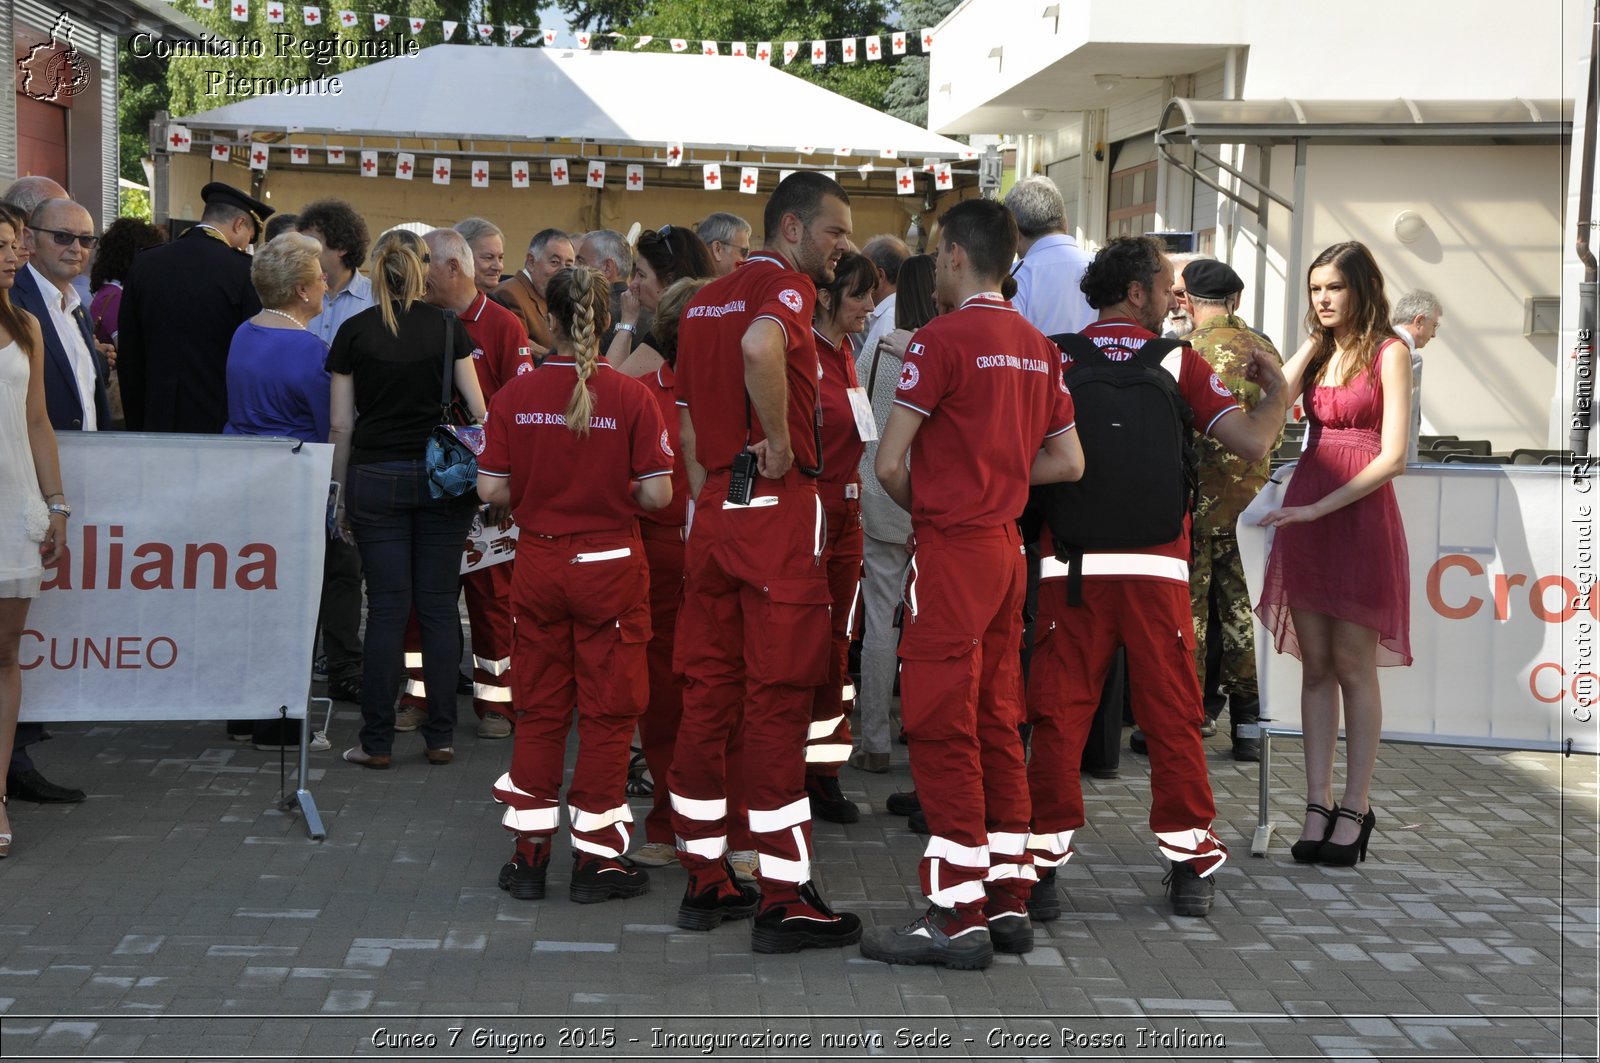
(861, 406)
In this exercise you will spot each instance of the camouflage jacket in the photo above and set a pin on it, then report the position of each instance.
(1227, 483)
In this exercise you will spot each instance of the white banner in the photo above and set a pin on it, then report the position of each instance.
(191, 581)
(1504, 620)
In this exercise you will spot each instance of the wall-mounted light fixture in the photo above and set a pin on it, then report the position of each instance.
(1409, 226)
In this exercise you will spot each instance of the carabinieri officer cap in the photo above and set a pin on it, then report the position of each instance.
(227, 195)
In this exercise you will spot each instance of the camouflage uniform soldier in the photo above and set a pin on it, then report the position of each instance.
(1227, 485)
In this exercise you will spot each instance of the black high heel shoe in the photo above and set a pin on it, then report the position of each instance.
(1304, 851)
(1345, 855)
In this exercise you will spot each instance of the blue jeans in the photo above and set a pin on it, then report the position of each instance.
(411, 553)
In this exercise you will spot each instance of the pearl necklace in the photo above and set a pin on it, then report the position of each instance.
(280, 313)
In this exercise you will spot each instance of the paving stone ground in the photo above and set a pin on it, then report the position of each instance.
(179, 913)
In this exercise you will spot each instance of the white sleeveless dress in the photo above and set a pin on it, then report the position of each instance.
(23, 515)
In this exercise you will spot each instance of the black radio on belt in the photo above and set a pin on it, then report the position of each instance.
(742, 480)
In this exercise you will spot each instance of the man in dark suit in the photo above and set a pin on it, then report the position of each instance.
(60, 238)
(181, 304)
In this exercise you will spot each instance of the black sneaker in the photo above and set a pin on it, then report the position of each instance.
(596, 879)
(1011, 932)
(937, 937)
(806, 924)
(1045, 903)
(1137, 743)
(709, 909)
(917, 823)
(523, 880)
(827, 802)
(903, 803)
(1247, 750)
(345, 689)
(1191, 894)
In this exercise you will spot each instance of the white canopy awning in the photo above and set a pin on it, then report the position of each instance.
(464, 92)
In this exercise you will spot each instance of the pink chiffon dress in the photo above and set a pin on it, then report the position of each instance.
(1353, 563)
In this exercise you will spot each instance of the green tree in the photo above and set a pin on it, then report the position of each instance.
(141, 92)
(907, 95)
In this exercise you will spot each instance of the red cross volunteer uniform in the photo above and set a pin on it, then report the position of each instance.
(580, 598)
(989, 385)
(1138, 599)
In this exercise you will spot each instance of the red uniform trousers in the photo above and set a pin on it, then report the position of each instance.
(582, 608)
(658, 727)
(488, 592)
(962, 701)
(1072, 650)
(753, 641)
(828, 739)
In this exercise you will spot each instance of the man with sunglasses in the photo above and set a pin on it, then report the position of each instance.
(61, 239)
(728, 237)
(181, 305)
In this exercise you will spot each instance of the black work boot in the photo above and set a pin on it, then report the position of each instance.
(706, 906)
(599, 878)
(803, 922)
(1245, 709)
(1045, 903)
(944, 937)
(827, 802)
(1191, 894)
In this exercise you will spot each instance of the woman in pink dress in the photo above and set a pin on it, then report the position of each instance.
(1336, 593)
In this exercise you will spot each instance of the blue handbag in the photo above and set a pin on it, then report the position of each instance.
(452, 452)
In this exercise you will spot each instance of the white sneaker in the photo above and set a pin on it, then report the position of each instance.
(319, 742)
(494, 725)
(744, 862)
(654, 854)
(409, 718)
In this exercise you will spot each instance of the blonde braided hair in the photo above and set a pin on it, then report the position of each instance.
(580, 300)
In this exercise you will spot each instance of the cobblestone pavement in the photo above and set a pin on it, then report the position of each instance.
(180, 914)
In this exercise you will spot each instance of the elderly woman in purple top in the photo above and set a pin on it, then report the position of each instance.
(277, 385)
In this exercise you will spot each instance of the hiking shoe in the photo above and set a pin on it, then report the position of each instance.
(1247, 750)
(827, 802)
(522, 879)
(345, 689)
(596, 879)
(1011, 932)
(903, 803)
(940, 936)
(744, 863)
(1045, 902)
(409, 718)
(654, 854)
(1191, 894)
(710, 908)
(804, 923)
(494, 725)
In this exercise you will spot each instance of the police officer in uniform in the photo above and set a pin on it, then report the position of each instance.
(181, 303)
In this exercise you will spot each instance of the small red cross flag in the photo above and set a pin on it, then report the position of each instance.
(380, 22)
(369, 164)
(179, 139)
(968, 153)
(219, 153)
(849, 49)
(448, 29)
(519, 175)
(874, 48)
(347, 19)
(888, 153)
(240, 11)
(635, 178)
(805, 150)
(299, 155)
(597, 174)
(405, 164)
(312, 15)
(905, 180)
(927, 41)
(897, 44)
(583, 40)
(843, 151)
(258, 157)
(441, 171)
(941, 175)
(275, 13)
(560, 173)
(790, 50)
(514, 31)
(679, 44)
(749, 179)
(417, 24)
(708, 47)
(711, 175)
(763, 51)
(206, 5)
(819, 53)
(335, 155)
(480, 174)
(741, 49)
(675, 153)
(485, 30)
(549, 38)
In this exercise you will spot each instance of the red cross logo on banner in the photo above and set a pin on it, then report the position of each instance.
(635, 180)
(819, 53)
(749, 181)
(486, 32)
(259, 156)
(176, 138)
(850, 50)
(312, 15)
(898, 43)
(335, 156)
(941, 175)
(673, 152)
(480, 175)
(417, 24)
(595, 175)
(708, 47)
(368, 165)
(299, 154)
(519, 177)
(275, 14)
(405, 167)
(219, 152)
(872, 48)
(713, 175)
(927, 40)
(442, 172)
(239, 10)
(763, 55)
(559, 174)
(905, 180)
(348, 18)
(380, 22)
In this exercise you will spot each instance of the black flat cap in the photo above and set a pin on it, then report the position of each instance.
(1211, 280)
(227, 195)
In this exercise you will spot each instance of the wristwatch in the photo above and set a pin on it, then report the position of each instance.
(60, 507)
(625, 327)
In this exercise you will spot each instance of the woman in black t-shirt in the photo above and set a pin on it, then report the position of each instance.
(388, 363)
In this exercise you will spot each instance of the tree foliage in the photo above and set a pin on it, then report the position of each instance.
(907, 95)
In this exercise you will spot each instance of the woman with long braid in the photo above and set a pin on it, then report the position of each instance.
(576, 449)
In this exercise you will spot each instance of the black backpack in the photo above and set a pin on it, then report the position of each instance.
(1141, 472)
